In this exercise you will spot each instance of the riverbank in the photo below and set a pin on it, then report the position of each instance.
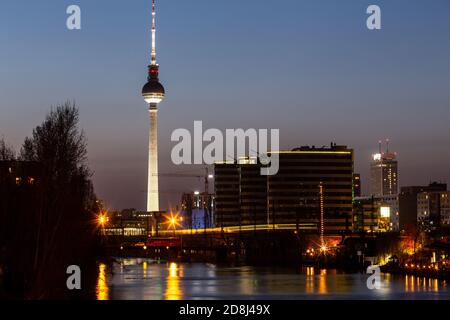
(419, 271)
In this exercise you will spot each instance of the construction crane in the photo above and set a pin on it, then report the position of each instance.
(206, 177)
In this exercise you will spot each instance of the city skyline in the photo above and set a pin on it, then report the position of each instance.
(261, 179)
(350, 101)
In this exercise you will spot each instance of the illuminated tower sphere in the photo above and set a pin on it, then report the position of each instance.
(153, 93)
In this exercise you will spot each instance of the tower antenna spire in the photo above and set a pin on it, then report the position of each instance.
(153, 63)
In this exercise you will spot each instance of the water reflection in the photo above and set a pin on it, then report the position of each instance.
(173, 290)
(149, 280)
(309, 280)
(144, 269)
(102, 289)
(323, 281)
(421, 284)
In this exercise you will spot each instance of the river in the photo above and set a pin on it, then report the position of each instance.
(142, 279)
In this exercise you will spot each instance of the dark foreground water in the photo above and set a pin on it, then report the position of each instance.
(147, 280)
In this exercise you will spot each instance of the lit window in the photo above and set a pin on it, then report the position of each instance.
(385, 212)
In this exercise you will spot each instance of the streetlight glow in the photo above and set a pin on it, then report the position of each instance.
(173, 220)
(102, 219)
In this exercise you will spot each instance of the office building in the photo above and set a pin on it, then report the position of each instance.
(356, 185)
(433, 210)
(130, 222)
(376, 214)
(241, 193)
(312, 190)
(384, 174)
(408, 202)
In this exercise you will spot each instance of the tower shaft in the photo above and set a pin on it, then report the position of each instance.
(152, 188)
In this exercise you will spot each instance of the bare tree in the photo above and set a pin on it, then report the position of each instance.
(58, 144)
(6, 152)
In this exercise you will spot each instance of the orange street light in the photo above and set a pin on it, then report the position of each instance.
(102, 219)
(173, 220)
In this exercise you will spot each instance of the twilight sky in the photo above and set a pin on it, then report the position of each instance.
(308, 67)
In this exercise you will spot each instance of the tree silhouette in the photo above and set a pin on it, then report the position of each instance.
(6, 152)
(51, 221)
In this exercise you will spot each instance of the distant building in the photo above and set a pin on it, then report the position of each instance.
(19, 198)
(292, 196)
(130, 222)
(384, 174)
(18, 173)
(197, 210)
(356, 185)
(365, 215)
(433, 210)
(376, 214)
(408, 202)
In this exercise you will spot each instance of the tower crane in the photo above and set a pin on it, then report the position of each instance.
(206, 176)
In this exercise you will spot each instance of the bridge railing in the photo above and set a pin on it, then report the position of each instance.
(246, 228)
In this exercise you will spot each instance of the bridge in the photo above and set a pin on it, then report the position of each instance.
(260, 244)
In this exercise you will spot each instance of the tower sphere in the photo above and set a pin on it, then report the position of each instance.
(153, 91)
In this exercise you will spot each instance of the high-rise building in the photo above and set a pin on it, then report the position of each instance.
(356, 185)
(312, 190)
(153, 93)
(408, 202)
(384, 174)
(241, 193)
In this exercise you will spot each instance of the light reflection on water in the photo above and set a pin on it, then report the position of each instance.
(173, 289)
(102, 290)
(144, 279)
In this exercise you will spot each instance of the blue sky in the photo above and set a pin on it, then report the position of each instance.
(308, 67)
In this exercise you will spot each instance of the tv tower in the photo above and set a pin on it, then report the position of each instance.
(153, 93)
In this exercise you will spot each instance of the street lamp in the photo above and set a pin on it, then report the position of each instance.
(102, 220)
(173, 221)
